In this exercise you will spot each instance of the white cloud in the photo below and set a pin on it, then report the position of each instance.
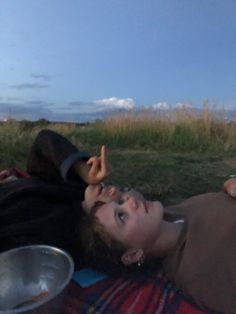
(182, 105)
(161, 105)
(114, 103)
(166, 106)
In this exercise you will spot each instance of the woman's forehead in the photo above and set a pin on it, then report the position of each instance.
(101, 205)
(95, 208)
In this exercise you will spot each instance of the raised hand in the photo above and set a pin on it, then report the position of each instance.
(230, 187)
(95, 170)
(98, 168)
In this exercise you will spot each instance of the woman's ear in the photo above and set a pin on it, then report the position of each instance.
(132, 256)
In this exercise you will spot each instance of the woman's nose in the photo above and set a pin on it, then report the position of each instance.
(112, 191)
(132, 202)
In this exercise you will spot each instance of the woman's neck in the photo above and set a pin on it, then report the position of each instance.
(167, 239)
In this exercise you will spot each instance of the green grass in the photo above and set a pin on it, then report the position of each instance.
(169, 176)
(162, 157)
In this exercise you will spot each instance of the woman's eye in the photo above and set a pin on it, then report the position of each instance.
(122, 216)
(120, 201)
(124, 189)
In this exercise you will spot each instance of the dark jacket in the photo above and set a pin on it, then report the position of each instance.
(45, 208)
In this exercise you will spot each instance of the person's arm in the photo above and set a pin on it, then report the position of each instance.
(54, 158)
(229, 187)
(95, 170)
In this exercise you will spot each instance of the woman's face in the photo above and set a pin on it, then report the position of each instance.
(134, 222)
(106, 194)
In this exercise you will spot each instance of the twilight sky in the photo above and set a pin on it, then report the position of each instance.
(68, 59)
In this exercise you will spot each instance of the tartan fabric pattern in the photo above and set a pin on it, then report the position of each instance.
(152, 295)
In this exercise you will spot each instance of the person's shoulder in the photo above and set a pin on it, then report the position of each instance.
(196, 203)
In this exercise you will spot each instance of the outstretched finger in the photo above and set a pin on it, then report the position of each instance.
(103, 160)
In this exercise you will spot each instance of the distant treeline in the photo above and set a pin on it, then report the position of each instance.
(28, 125)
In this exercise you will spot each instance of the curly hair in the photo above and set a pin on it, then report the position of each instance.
(100, 251)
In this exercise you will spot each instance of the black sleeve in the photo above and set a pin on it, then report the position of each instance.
(51, 157)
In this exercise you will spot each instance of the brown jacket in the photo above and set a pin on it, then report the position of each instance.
(203, 264)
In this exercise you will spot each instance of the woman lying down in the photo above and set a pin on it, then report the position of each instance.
(195, 241)
(198, 253)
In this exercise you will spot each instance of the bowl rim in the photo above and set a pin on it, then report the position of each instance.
(56, 292)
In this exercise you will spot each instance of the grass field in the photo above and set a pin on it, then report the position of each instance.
(164, 157)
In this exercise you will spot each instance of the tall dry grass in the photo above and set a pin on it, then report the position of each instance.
(178, 130)
(181, 129)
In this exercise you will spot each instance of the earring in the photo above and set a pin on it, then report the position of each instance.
(139, 264)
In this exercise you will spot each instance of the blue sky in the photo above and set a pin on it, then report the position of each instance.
(67, 59)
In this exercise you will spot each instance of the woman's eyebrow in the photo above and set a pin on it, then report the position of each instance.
(95, 208)
(115, 216)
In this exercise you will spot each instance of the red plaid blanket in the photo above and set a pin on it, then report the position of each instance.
(125, 296)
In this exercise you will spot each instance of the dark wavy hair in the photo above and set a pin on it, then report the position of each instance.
(100, 251)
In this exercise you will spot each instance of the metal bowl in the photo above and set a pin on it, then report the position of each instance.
(33, 278)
